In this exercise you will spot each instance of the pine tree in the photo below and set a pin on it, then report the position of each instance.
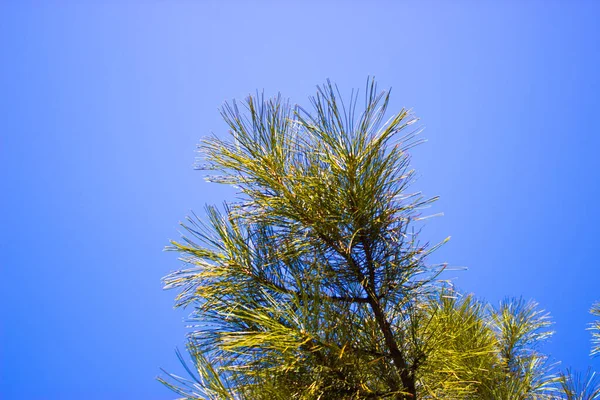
(314, 283)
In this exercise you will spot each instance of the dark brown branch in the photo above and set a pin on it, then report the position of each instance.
(407, 378)
(397, 356)
(283, 289)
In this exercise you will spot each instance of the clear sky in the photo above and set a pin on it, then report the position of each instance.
(102, 104)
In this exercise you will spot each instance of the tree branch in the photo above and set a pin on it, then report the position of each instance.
(283, 289)
(398, 357)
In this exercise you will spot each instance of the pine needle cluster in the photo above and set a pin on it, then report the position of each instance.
(314, 283)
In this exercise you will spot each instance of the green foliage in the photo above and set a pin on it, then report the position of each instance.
(595, 329)
(576, 386)
(314, 285)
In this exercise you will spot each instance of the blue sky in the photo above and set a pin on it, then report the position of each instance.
(103, 104)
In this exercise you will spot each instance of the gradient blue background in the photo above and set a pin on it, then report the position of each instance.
(102, 104)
